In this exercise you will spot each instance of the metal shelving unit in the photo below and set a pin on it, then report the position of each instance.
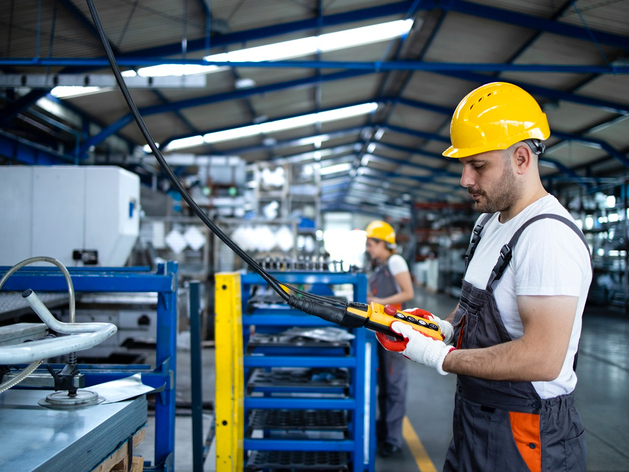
(126, 279)
(301, 405)
(309, 405)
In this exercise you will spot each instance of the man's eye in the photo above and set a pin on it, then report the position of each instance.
(478, 166)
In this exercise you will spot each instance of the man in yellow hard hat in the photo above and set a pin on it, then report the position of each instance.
(389, 284)
(517, 326)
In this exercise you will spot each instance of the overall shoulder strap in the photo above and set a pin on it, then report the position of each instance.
(476, 235)
(506, 251)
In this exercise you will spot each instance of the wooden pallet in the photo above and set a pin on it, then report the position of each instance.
(122, 459)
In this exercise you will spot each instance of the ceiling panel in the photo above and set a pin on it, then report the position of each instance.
(477, 40)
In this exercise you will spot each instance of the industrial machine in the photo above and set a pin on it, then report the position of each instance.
(78, 215)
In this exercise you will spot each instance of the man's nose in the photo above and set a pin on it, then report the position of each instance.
(466, 178)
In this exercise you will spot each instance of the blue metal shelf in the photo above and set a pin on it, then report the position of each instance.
(126, 279)
(359, 399)
(286, 361)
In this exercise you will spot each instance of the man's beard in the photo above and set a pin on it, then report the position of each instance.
(504, 195)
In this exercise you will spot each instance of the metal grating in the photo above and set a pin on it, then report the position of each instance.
(259, 340)
(302, 420)
(293, 379)
(297, 460)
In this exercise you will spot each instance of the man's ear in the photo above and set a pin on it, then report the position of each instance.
(523, 158)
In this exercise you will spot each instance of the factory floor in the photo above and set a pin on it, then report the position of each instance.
(601, 395)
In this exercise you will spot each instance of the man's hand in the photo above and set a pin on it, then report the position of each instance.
(445, 326)
(417, 346)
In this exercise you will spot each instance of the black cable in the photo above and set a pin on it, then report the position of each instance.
(272, 281)
(166, 168)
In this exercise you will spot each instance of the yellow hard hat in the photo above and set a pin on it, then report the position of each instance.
(381, 230)
(495, 116)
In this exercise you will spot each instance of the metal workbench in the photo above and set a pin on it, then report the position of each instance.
(38, 439)
(163, 281)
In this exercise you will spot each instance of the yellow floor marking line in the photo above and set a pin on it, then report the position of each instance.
(417, 448)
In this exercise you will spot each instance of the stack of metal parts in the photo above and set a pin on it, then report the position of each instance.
(303, 263)
(40, 439)
(296, 382)
(297, 460)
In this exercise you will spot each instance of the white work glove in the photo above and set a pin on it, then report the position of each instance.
(447, 331)
(417, 346)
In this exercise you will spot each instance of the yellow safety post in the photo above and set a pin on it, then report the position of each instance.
(229, 373)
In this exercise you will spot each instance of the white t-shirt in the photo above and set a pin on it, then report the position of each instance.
(397, 265)
(549, 260)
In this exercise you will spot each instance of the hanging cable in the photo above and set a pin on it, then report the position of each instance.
(324, 307)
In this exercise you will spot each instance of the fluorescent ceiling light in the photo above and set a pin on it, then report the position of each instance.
(290, 49)
(70, 91)
(274, 126)
(336, 168)
(271, 52)
(185, 142)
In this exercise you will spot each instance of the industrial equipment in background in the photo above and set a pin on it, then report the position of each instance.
(77, 214)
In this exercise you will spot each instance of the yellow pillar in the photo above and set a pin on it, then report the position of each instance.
(229, 373)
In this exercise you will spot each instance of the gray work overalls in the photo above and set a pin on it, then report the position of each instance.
(392, 371)
(499, 425)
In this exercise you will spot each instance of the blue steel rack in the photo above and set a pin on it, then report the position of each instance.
(361, 363)
(126, 279)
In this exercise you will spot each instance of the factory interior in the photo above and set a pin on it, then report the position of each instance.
(190, 190)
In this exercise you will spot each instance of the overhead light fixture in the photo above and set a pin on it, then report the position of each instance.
(183, 143)
(71, 91)
(335, 168)
(289, 49)
(274, 126)
(271, 52)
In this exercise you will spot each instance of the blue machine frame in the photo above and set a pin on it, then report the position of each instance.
(362, 364)
(127, 279)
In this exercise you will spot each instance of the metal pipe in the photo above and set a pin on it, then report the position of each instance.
(21, 376)
(51, 260)
(84, 336)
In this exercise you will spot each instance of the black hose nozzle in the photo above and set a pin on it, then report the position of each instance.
(333, 314)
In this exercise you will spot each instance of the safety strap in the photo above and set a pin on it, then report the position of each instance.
(506, 252)
(475, 239)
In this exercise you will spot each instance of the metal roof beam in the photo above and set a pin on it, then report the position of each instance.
(416, 133)
(26, 152)
(251, 123)
(598, 143)
(399, 8)
(221, 97)
(85, 22)
(370, 66)
(294, 142)
(533, 22)
(25, 101)
(544, 91)
(437, 172)
(354, 16)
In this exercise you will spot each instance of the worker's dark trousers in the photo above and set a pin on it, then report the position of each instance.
(392, 385)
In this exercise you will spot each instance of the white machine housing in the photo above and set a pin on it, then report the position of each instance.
(55, 210)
